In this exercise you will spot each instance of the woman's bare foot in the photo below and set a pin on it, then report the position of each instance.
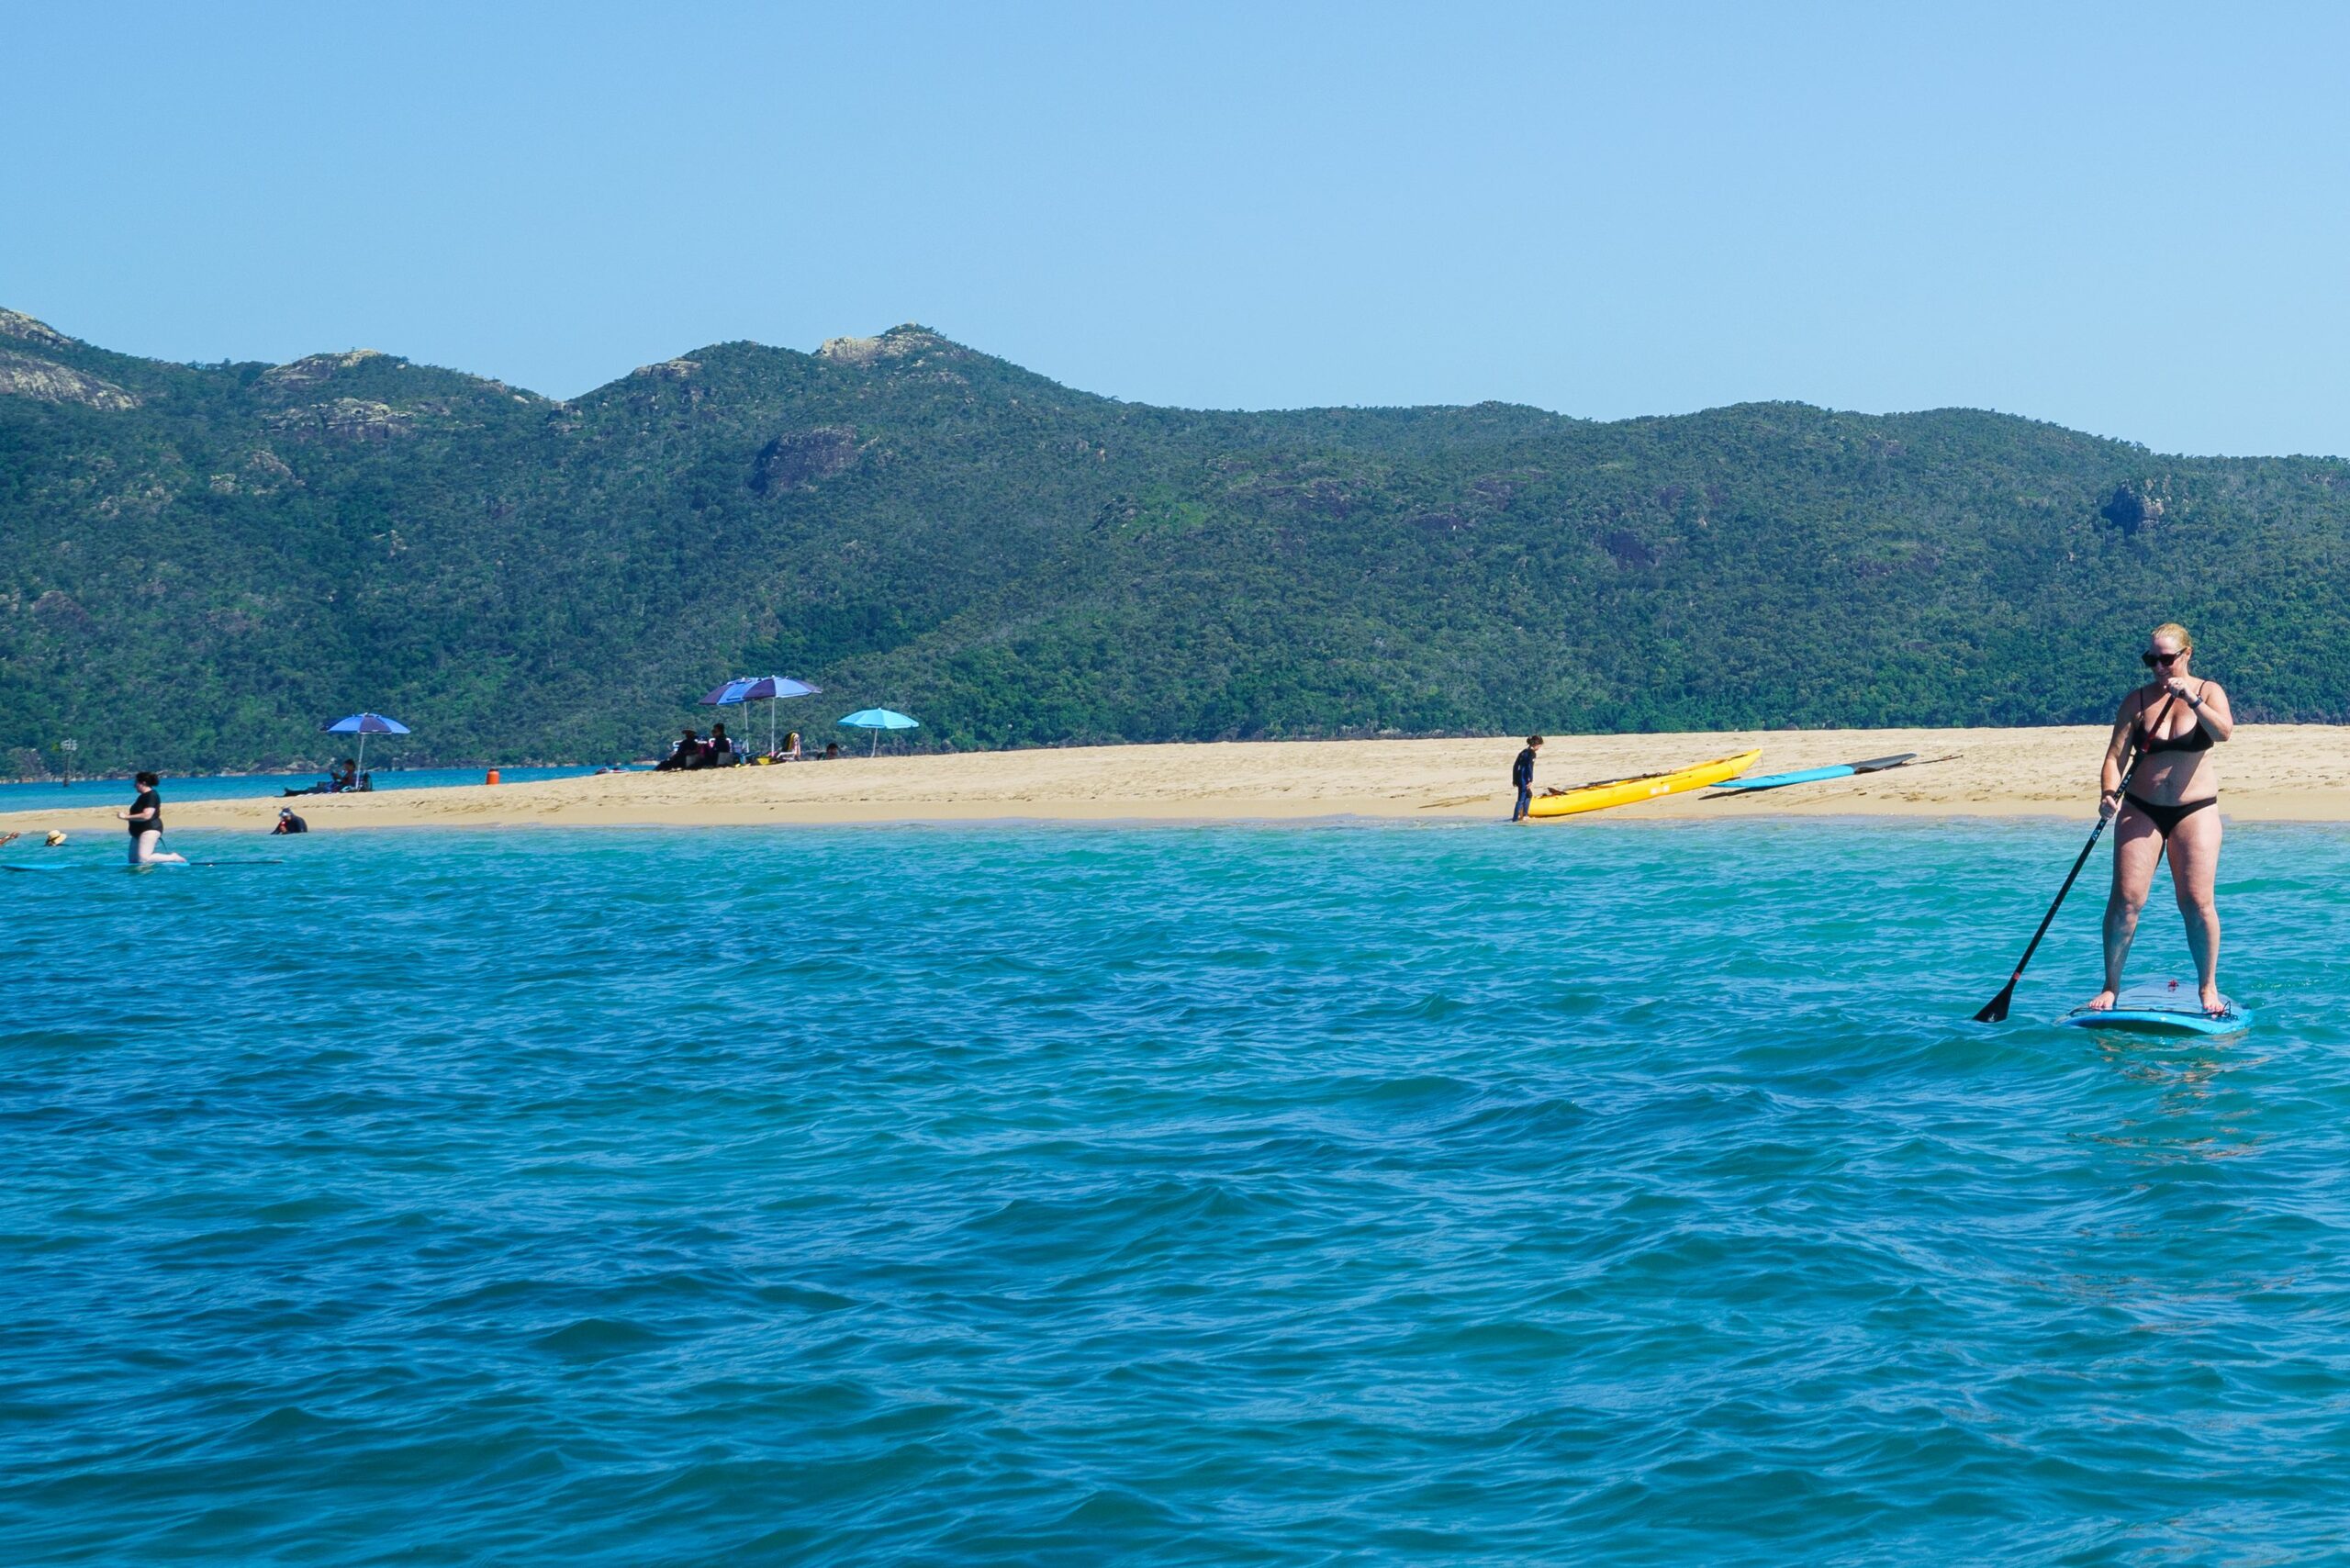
(2214, 1003)
(2101, 1002)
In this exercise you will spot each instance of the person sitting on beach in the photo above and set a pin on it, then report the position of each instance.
(790, 750)
(146, 820)
(687, 753)
(1521, 776)
(342, 775)
(831, 750)
(288, 823)
(721, 750)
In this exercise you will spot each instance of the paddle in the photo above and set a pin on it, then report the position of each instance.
(1601, 783)
(1995, 1010)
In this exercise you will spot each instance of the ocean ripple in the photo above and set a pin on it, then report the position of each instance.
(1608, 1193)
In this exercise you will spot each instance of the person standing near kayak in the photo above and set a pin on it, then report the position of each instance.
(2170, 807)
(1521, 774)
(146, 821)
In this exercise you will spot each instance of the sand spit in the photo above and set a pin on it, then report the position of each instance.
(2269, 772)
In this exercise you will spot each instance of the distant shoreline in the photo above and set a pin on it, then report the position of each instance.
(2268, 773)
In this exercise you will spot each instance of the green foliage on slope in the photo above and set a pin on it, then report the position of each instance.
(199, 563)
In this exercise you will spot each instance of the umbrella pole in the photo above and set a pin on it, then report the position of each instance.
(362, 763)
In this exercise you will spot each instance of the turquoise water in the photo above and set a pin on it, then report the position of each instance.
(48, 795)
(1354, 1194)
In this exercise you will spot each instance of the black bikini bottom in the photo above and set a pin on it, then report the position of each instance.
(2167, 818)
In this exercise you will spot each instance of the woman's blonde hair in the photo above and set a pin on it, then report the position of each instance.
(2172, 629)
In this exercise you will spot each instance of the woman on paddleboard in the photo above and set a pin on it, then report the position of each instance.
(2170, 804)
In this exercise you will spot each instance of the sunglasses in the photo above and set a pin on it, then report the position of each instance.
(2159, 661)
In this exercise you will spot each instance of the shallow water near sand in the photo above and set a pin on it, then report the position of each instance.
(1611, 1192)
(52, 795)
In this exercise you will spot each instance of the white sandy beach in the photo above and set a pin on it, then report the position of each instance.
(2272, 773)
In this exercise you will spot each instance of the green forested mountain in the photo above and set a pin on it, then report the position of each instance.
(200, 563)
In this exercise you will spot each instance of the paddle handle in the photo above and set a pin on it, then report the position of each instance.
(1996, 1008)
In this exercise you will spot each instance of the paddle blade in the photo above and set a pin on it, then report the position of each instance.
(1995, 1010)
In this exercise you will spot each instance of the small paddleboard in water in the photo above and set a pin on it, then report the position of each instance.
(152, 866)
(2160, 1009)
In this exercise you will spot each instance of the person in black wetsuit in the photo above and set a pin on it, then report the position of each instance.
(2170, 725)
(146, 822)
(288, 823)
(1521, 778)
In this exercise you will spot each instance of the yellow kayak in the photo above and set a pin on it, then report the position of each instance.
(1647, 787)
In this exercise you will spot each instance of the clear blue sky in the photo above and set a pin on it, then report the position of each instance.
(2131, 219)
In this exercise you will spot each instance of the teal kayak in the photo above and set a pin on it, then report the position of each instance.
(1814, 775)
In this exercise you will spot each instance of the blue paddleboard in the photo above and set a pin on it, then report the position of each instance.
(119, 866)
(2160, 1008)
(1814, 775)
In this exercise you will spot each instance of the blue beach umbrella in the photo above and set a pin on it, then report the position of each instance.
(362, 725)
(878, 720)
(768, 687)
(726, 696)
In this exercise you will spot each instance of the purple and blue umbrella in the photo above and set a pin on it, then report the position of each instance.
(726, 696)
(766, 689)
(771, 689)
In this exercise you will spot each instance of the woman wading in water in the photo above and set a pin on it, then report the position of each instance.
(2171, 723)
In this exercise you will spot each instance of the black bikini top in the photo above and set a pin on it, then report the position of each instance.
(2196, 739)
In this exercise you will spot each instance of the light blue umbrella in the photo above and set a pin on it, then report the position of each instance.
(362, 725)
(878, 720)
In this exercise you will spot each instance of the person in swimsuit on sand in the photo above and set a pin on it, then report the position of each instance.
(2173, 805)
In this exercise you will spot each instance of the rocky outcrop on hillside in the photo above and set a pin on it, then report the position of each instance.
(346, 419)
(897, 342)
(2133, 508)
(311, 369)
(803, 457)
(21, 375)
(25, 329)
